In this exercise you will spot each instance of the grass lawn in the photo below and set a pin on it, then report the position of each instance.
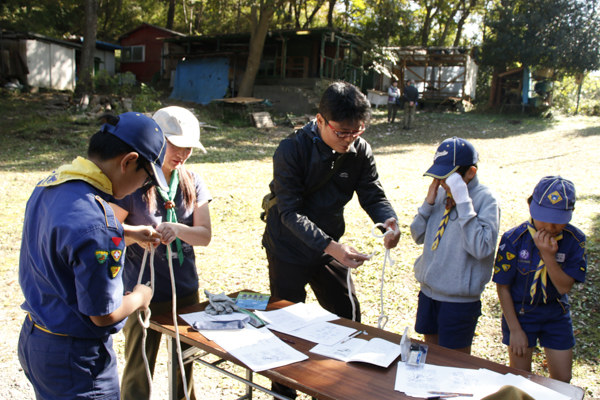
(515, 152)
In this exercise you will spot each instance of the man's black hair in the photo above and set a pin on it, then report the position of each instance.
(105, 146)
(463, 169)
(344, 102)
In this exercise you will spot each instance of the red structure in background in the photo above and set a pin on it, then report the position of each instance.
(142, 50)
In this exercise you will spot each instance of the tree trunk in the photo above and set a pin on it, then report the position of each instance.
(461, 22)
(312, 15)
(330, 13)
(260, 27)
(429, 16)
(449, 21)
(89, 46)
(171, 14)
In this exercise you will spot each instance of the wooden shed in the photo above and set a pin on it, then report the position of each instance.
(440, 73)
(143, 50)
(37, 60)
(295, 65)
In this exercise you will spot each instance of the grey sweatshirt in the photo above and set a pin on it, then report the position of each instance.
(459, 268)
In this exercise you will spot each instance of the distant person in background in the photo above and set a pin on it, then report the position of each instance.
(393, 94)
(411, 95)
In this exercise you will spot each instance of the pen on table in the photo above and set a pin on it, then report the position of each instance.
(355, 334)
(453, 394)
(287, 340)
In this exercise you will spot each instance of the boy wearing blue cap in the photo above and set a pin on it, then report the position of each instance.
(70, 269)
(458, 225)
(537, 264)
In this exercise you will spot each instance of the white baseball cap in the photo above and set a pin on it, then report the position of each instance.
(180, 127)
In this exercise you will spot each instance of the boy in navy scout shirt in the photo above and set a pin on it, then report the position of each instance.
(70, 269)
(537, 264)
(458, 224)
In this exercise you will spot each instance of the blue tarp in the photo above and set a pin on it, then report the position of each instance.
(201, 81)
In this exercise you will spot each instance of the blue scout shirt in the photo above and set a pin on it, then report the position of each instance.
(518, 258)
(70, 265)
(186, 276)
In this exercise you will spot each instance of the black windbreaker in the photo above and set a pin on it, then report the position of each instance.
(299, 229)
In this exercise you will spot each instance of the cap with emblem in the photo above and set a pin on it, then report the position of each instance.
(144, 135)
(553, 200)
(180, 127)
(450, 155)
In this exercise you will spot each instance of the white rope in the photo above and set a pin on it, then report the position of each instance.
(383, 319)
(146, 321)
(175, 325)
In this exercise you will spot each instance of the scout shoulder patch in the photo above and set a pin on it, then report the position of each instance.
(496, 269)
(101, 256)
(116, 254)
(114, 271)
(500, 258)
(505, 267)
(509, 255)
(116, 240)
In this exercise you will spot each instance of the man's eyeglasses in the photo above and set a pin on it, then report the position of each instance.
(149, 180)
(346, 134)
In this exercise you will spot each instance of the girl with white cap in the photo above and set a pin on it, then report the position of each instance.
(181, 218)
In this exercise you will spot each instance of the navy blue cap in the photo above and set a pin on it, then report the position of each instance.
(450, 155)
(144, 135)
(553, 200)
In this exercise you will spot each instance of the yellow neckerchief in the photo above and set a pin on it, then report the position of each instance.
(540, 271)
(83, 170)
(444, 222)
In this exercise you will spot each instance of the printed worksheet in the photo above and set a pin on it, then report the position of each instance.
(295, 317)
(474, 384)
(323, 333)
(258, 349)
(376, 351)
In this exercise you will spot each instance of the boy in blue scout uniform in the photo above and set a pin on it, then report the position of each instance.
(538, 262)
(458, 224)
(71, 262)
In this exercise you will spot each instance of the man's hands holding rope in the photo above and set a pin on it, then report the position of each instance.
(350, 257)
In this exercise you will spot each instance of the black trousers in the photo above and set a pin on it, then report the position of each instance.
(288, 281)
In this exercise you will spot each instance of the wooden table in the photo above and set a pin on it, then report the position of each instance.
(326, 378)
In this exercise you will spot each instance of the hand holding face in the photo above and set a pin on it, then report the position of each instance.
(432, 192)
(545, 243)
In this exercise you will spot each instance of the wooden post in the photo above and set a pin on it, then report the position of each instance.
(578, 79)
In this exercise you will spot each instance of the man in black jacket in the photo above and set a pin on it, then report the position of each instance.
(303, 230)
(411, 95)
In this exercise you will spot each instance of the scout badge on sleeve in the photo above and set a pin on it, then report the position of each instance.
(101, 256)
(116, 254)
(114, 271)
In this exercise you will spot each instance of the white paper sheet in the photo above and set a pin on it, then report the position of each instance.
(375, 351)
(321, 332)
(259, 349)
(420, 381)
(295, 317)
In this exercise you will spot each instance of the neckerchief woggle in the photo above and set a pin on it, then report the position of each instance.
(171, 211)
(541, 274)
(80, 169)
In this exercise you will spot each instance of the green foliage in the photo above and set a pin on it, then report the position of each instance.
(147, 100)
(565, 95)
(562, 34)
